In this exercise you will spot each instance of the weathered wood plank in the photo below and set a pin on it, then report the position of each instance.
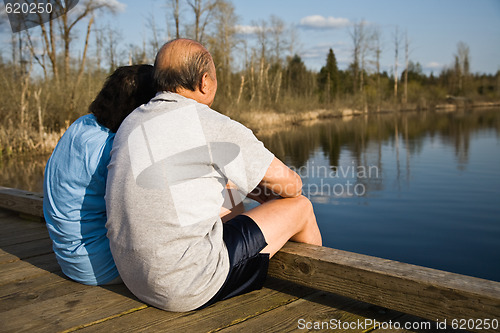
(223, 314)
(320, 311)
(75, 309)
(424, 292)
(35, 290)
(15, 224)
(21, 201)
(25, 250)
(28, 268)
(23, 236)
(15, 230)
(5, 212)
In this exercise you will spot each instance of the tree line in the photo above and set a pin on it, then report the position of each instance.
(52, 72)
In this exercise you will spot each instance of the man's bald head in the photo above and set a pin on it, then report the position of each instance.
(181, 64)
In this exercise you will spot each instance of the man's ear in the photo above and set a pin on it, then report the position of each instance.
(204, 84)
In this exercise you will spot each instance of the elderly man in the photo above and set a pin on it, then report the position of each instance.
(170, 165)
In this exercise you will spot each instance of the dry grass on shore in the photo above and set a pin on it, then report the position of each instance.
(14, 141)
(266, 122)
(21, 141)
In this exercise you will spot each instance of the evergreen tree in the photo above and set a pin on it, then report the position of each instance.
(328, 78)
(296, 76)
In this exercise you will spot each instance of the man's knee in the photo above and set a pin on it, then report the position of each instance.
(304, 205)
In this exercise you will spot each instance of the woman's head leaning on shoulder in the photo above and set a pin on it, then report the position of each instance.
(126, 89)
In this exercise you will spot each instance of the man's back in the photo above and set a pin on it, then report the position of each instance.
(170, 162)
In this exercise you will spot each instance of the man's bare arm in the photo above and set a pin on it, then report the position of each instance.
(281, 180)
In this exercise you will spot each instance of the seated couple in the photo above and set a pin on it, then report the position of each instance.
(146, 205)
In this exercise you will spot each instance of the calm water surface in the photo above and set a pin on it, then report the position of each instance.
(422, 188)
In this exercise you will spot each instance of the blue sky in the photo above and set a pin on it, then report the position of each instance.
(434, 27)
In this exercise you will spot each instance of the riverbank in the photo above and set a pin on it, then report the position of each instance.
(269, 122)
(17, 142)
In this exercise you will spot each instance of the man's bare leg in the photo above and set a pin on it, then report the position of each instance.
(286, 219)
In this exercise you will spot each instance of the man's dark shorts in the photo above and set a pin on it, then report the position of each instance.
(247, 266)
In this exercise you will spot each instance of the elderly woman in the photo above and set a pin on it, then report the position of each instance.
(76, 173)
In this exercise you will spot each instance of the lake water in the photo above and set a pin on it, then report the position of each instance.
(421, 188)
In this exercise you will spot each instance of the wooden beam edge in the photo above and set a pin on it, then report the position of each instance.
(425, 292)
(396, 269)
(21, 201)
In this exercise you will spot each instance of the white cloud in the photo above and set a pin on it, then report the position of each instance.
(321, 22)
(434, 65)
(247, 29)
(115, 5)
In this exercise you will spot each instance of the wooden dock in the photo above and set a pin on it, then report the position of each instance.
(309, 288)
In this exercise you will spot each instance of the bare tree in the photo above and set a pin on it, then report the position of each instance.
(462, 64)
(407, 56)
(262, 35)
(154, 42)
(99, 45)
(397, 42)
(222, 42)
(35, 50)
(84, 55)
(277, 31)
(294, 44)
(175, 7)
(358, 37)
(280, 42)
(377, 48)
(67, 22)
(112, 38)
(203, 10)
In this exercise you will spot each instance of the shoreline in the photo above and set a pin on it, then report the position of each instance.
(269, 122)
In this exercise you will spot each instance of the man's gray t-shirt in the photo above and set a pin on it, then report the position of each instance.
(170, 162)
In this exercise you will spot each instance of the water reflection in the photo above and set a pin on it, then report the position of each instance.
(362, 138)
(427, 194)
(23, 172)
(359, 142)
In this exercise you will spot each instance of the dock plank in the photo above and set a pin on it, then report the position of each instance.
(31, 267)
(75, 309)
(320, 311)
(33, 290)
(21, 235)
(223, 314)
(26, 250)
(6, 212)
(8, 222)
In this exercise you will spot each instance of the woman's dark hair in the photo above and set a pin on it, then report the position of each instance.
(187, 75)
(124, 90)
